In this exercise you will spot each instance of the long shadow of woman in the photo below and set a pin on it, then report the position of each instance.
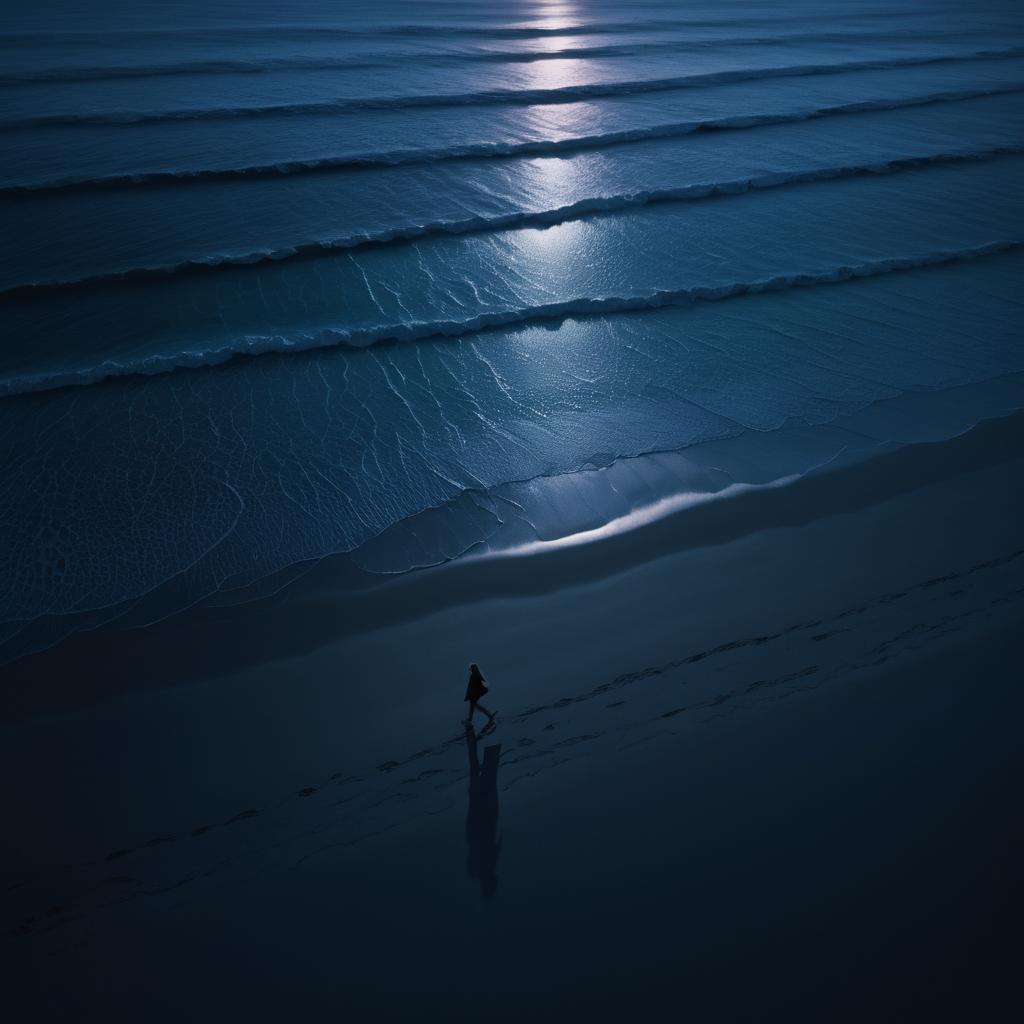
(482, 844)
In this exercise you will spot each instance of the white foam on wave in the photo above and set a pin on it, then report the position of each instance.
(415, 331)
(494, 97)
(498, 150)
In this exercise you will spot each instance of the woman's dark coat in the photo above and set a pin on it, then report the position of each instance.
(476, 687)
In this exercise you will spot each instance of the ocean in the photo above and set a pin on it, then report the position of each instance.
(400, 283)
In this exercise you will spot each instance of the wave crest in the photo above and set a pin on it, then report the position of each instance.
(519, 219)
(268, 65)
(300, 31)
(498, 150)
(402, 332)
(500, 97)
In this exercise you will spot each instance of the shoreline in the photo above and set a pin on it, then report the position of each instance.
(205, 642)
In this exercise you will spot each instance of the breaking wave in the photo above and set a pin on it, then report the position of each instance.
(254, 345)
(269, 65)
(487, 150)
(518, 219)
(286, 31)
(503, 97)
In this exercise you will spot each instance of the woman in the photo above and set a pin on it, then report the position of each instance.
(475, 689)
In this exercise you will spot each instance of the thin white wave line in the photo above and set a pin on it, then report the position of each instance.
(581, 209)
(256, 345)
(503, 150)
(499, 97)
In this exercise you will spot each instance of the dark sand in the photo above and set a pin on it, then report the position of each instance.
(758, 761)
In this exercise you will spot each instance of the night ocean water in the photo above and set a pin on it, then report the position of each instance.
(480, 248)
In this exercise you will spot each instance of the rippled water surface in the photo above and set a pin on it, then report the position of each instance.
(287, 282)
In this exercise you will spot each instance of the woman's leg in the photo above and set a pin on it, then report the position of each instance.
(483, 709)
